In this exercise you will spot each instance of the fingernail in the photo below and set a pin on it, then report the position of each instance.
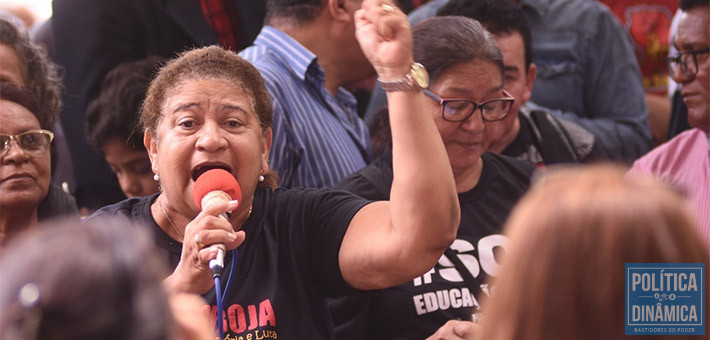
(232, 236)
(232, 205)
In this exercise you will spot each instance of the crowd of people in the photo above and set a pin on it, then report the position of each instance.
(493, 185)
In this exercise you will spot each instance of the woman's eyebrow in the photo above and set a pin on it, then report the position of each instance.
(186, 106)
(234, 108)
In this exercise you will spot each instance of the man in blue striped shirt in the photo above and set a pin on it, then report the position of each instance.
(306, 52)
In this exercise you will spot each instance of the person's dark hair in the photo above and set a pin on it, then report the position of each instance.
(380, 134)
(210, 62)
(686, 5)
(499, 17)
(39, 73)
(292, 11)
(440, 42)
(114, 113)
(97, 280)
(28, 99)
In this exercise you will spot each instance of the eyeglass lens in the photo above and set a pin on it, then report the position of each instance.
(684, 64)
(28, 141)
(458, 110)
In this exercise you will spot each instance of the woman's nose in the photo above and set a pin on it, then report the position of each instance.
(475, 122)
(14, 153)
(210, 138)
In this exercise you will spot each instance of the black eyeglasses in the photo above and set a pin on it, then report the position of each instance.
(458, 110)
(33, 141)
(681, 64)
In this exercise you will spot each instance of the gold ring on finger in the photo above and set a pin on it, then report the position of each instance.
(387, 8)
(197, 241)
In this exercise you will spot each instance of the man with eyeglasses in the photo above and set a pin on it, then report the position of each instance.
(684, 161)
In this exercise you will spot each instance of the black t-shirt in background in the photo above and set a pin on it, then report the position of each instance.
(416, 309)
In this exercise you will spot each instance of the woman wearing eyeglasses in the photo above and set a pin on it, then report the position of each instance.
(25, 170)
(27, 66)
(465, 97)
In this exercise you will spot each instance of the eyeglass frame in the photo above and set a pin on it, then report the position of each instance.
(4, 149)
(476, 106)
(682, 65)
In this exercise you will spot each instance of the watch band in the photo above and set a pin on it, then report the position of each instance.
(415, 80)
(402, 84)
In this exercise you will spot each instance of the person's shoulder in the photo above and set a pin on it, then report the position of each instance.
(296, 201)
(128, 207)
(582, 16)
(509, 163)
(673, 152)
(509, 168)
(372, 182)
(574, 7)
(57, 203)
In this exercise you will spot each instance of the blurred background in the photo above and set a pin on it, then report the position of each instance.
(31, 12)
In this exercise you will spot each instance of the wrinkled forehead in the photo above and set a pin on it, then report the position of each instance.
(693, 29)
(207, 88)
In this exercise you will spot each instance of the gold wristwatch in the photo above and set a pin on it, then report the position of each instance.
(415, 80)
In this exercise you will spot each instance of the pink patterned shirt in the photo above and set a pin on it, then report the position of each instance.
(684, 162)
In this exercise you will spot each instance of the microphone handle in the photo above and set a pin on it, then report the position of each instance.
(217, 264)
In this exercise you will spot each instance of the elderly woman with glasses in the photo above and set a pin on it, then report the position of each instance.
(466, 96)
(25, 174)
(30, 104)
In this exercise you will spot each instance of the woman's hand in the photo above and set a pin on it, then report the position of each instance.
(456, 330)
(385, 38)
(192, 274)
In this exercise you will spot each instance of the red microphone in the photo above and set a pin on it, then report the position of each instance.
(214, 186)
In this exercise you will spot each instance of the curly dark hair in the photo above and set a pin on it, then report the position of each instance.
(40, 74)
(114, 113)
(28, 99)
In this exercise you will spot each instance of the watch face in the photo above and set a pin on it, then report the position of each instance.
(420, 75)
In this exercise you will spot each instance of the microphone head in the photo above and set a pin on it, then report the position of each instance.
(216, 180)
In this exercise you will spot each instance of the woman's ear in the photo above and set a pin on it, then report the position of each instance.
(266, 148)
(152, 146)
(530, 76)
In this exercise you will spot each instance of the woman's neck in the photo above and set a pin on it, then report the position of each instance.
(14, 220)
(467, 179)
(173, 222)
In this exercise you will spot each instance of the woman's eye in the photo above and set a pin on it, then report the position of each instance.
(234, 123)
(186, 123)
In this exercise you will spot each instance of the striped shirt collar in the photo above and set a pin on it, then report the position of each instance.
(302, 62)
(293, 53)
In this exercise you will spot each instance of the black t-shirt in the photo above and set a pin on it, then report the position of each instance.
(416, 309)
(286, 266)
